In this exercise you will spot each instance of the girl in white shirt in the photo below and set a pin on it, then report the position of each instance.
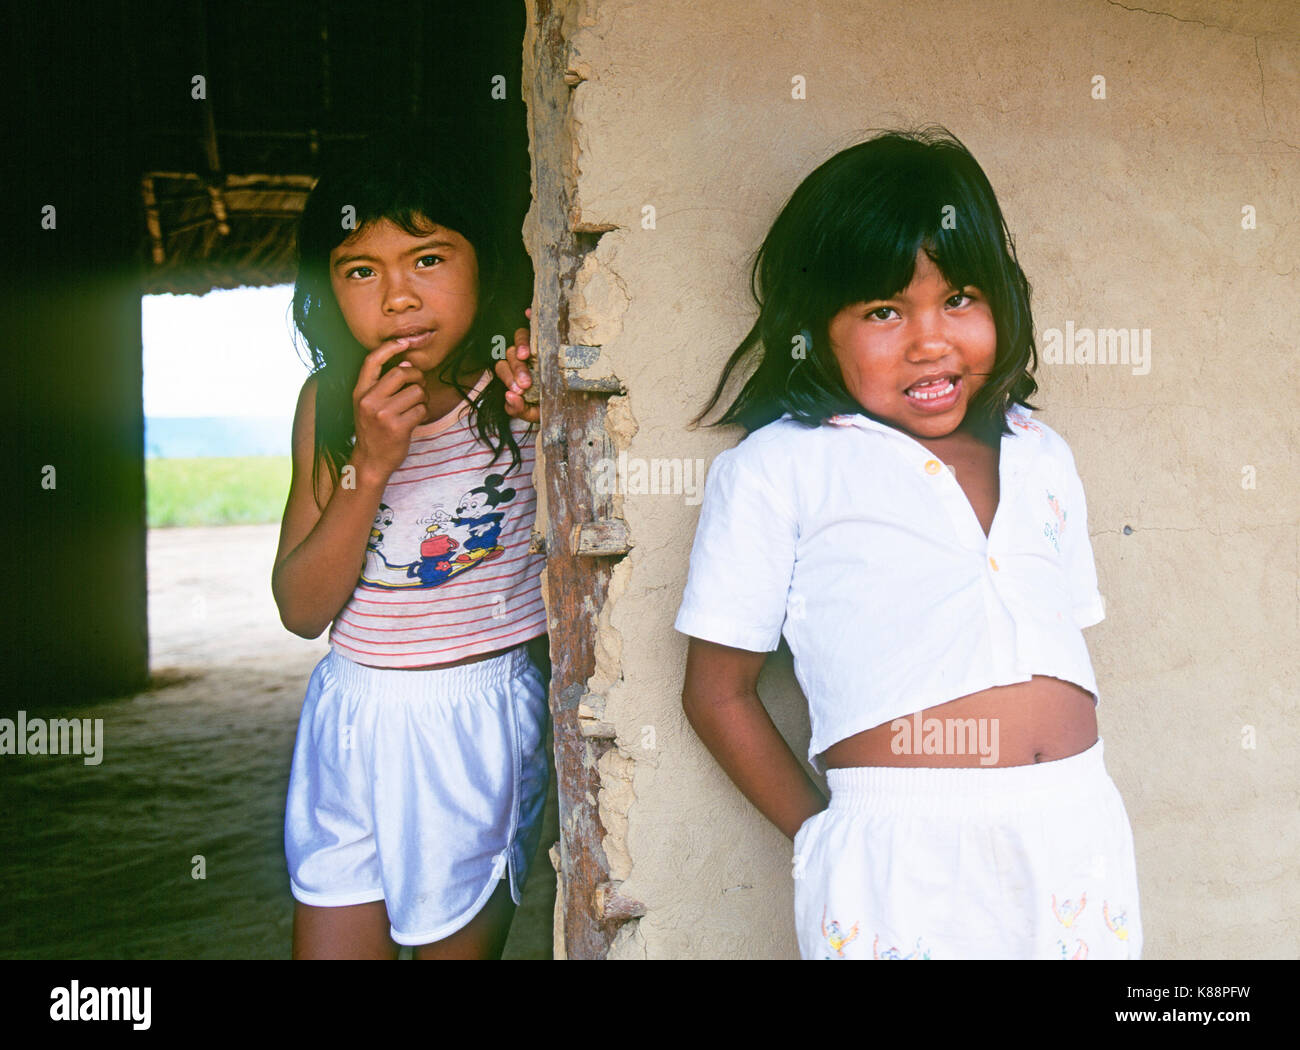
(923, 546)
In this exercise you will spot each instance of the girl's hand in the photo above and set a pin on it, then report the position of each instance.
(514, 373)
(386, 408)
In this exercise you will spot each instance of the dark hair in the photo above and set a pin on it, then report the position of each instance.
(850, 233)
(412, 180)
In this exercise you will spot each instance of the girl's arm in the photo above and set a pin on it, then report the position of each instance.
(322, 552)
(721, 702)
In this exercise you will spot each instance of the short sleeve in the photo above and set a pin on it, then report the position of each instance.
(1076, 550)
(741, 561)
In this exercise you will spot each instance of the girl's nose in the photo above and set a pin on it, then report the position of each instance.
(399, 296)
(931, 338)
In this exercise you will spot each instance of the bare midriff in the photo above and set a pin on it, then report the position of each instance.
(1041, 720)
(454, 663)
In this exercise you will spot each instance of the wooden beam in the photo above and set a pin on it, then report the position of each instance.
(219, 210)
(574, 440)
(599, 539)
(210, 148)
(152, 221)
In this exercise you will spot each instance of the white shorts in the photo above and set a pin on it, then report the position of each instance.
(418, 788)
(1013, 862)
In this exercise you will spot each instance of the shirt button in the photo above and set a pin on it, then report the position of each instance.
(933, 466)
(993, 563)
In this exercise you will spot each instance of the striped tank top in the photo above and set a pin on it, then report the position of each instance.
(447, 572)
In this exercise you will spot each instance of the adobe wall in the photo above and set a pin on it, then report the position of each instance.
(1128, 213)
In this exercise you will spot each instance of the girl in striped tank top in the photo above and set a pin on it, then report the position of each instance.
(419, 771)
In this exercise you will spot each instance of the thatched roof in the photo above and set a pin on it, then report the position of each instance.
(222, 232)
(225, 171)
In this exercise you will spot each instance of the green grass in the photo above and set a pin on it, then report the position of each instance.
(243, 490)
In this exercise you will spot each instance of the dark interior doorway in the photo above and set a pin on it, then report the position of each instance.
(126, 176)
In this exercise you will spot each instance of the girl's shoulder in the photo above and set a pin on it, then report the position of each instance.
(785, 434)
(772, 446)
(774, 458)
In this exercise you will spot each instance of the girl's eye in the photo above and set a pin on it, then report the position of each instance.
(875, 314)
(963, 295)
(435, 258)
(358, 269)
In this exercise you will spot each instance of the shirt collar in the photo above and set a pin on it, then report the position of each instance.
(1017, 418)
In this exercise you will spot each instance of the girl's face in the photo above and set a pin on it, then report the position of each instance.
(389, 283)
(915, 361)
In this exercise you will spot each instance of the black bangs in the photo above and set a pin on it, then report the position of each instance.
(850, 233)
(879, 207)
(408, 184)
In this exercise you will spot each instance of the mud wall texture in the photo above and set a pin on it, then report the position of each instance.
(1162, 198)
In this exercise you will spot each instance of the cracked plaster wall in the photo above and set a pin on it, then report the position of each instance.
(1127, 213)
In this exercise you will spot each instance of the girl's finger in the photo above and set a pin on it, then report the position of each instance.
(412, 416)
(374, 361)
(414, 394)
(525, 344)
(517, 408)
(522, 379)
(505, 372)
(397, 379)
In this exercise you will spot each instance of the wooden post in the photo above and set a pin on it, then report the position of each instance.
(582, 536)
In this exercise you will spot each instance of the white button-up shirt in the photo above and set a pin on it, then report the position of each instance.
(858, 544)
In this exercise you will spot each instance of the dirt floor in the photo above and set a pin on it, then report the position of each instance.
(100, 860)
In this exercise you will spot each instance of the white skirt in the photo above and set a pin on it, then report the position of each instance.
(419, 788)
(1013, 862)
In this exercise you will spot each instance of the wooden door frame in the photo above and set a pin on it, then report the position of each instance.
(583, 537)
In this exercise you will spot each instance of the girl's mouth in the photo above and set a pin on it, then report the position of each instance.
(936, 396)
(415, 342)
